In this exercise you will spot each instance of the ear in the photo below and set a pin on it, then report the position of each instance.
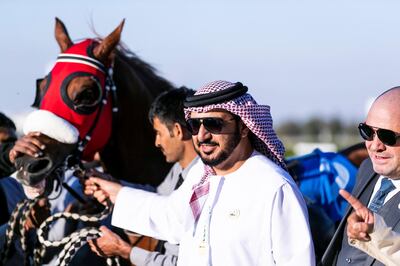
(178, 131)
(244, 130)
(62, 37)
(104, 49)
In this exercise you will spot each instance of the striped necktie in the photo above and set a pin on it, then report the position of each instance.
(379, 198)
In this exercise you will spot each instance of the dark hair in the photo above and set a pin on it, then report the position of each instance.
(6, 122)
(168, 107)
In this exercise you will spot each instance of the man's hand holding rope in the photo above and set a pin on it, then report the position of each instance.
(101, 189)
(110, 245)
(40, 211)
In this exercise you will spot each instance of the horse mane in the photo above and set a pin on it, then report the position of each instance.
(132, 140)
(123, 55)
(147, 73)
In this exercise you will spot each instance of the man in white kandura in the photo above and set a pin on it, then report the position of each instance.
(240, 207)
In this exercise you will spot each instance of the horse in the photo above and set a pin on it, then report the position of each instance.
(319, 176)
(103, 92)
(125, 138)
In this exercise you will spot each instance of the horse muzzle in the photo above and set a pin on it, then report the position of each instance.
(31, 171)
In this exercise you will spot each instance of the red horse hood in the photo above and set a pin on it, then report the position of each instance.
(55, 99)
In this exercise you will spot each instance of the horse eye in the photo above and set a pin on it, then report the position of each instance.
(88, 96)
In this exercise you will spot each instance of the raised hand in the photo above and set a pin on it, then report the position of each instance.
(360, 222)
(28, 144)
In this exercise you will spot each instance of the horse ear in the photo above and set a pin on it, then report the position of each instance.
(62, 37)
(104, 49)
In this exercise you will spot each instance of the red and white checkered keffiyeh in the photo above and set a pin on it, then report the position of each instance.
(256, 117)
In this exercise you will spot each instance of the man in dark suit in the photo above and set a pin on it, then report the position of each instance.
(378, 179)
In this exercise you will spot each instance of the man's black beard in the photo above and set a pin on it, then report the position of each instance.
(230, 146)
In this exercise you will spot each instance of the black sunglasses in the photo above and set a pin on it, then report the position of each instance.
(212, 124)
(388, 137)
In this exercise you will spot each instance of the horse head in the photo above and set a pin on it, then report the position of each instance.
(79, 87)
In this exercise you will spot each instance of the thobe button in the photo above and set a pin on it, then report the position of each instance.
(234, 213)
(348, 260)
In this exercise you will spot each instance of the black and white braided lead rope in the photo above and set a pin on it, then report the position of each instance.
(76, 240)
(17, 223)
(22, 228)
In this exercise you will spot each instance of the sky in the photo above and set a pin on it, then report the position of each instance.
(303, 58)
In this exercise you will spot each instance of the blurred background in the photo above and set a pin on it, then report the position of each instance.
(318, 64)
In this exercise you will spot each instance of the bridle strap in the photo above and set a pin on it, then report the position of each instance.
(109, 88)
(81, 59)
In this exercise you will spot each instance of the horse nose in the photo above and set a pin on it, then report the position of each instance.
(39, 165)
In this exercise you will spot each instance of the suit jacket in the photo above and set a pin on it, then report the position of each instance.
(365, 183)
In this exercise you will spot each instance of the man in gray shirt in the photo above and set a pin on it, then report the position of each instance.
(174, 140)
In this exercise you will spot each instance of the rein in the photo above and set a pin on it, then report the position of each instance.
(76, 240)
(71, 243)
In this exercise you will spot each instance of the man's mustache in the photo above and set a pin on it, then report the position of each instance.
(207, 142)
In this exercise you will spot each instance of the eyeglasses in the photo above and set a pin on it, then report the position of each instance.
(388, 137)
(212, 124)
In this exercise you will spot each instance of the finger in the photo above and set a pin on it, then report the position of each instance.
(90, 187)
(102, 199)
(362, 236)
(12, 155)
(361, 228)
(24, 149)
(98, 249)
(95, 180)
(90, 243)
(101, 196)
(88, 182)
(33, 139)
(105, 230)
(354, 202)
(98, 193)
(88, 192)
(365, 236)
(34, 133)
(354, 218)
(28, 224)
(93, 247)
(98, 181)
(358, 231)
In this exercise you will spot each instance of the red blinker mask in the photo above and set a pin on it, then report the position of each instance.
(93, 120)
